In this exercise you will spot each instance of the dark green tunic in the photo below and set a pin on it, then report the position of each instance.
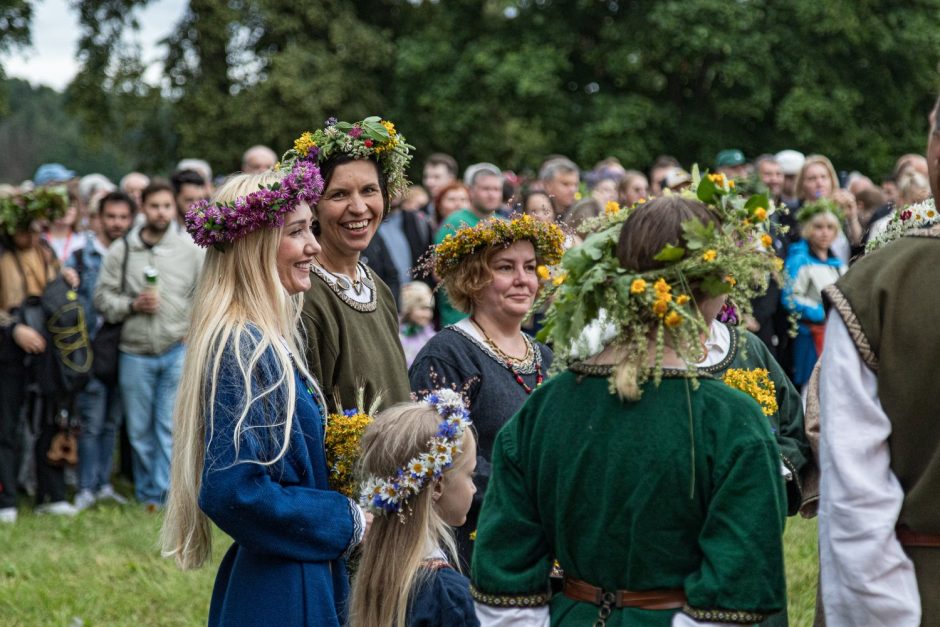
(350, 346)
(748, 352)
(679, 490)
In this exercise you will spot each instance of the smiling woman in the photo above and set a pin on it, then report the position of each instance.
(349, 313)
(248, 443)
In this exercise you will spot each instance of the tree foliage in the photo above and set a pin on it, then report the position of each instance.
(512, 81)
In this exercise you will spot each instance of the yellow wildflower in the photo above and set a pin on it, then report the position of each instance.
(638, 286)
(543, 273)
(682, 299)
(760, 214)
(730, 184)
(755, 383)
(662, 287)
(473, 535)
(641, 201)
(389, 127)
(709, 255)
(673, 320)
(730, 280)
(660, 307)
(558, 280)
(611, 207)
(342, 450)
(767, 241)
(304, 143)
(778, 263)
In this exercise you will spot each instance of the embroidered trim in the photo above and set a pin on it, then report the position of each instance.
(725, 362)
(436, 564)
(506, 600)
(341, 293)
(842, 305)
(527, 368)
(358, 528)
(605, 370)
(931, 231)
(724, 616)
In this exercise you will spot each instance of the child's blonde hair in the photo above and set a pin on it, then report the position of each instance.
(390, 568)
(414, 295)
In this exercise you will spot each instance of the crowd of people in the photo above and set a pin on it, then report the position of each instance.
(606, 473)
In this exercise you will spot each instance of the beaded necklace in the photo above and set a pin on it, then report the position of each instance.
(507, 360)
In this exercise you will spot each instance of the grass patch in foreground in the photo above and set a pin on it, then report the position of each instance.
(101, 568)
(104, 568)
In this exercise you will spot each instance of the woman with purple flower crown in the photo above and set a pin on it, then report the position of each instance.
(248, 450)
(349, 313)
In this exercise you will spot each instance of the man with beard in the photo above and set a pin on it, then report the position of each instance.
(147, 283)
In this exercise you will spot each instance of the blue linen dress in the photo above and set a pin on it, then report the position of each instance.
(286, 566)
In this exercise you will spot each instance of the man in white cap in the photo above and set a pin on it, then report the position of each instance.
(791, 161)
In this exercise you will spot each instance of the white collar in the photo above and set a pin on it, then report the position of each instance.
(717, 345)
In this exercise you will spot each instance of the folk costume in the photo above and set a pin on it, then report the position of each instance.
(733, 347)
(264, 477)
(879, 523)
(352, 339)
(463, 355)
(460, 355)
(352, 321)
(291, 531)
(678, 494)
(663, 503)
(442, 597)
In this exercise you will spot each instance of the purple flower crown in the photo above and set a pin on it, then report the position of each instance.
(217, 224)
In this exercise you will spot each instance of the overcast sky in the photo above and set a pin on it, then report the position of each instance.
(51, 59)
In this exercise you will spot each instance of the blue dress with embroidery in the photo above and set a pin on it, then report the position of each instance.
(291, 532)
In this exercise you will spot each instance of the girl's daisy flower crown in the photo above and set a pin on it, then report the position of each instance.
(388, 495)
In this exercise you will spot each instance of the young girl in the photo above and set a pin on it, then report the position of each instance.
(419, 460)
(417, 316)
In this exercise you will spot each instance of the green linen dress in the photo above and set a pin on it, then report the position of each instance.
(679, 490)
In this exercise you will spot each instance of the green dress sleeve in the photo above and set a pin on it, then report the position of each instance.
(511, 556)
(787, 422)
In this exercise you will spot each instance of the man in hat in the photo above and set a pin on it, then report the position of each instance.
(791, 162)
(731, 163)
(879, 513)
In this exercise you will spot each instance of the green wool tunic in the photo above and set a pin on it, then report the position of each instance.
(748, 352)
(350, 346)
(679, 490)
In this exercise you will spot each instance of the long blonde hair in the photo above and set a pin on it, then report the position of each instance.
(390, 568)
(239, 302)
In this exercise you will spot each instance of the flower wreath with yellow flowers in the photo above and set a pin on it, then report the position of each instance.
(372, 137)
(733, 257)
(921, 215)
(548, 240)
(43, 203)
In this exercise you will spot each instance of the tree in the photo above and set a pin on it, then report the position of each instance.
(15, 17)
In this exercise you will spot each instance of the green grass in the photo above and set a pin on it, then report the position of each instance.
(104, 568)
(100, 568)
(800, 553)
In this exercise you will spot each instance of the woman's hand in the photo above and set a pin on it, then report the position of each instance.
(29, 339)
(71, 277)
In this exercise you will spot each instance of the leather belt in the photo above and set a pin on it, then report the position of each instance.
(907, 537)
(644, 600)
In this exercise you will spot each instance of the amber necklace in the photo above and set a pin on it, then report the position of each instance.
(508, 361)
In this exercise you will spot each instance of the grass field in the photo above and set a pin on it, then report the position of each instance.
(104, 568)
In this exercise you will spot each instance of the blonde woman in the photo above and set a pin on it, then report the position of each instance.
(407, 575)
(248, 449)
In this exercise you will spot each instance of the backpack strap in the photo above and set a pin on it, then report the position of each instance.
(127, 253)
